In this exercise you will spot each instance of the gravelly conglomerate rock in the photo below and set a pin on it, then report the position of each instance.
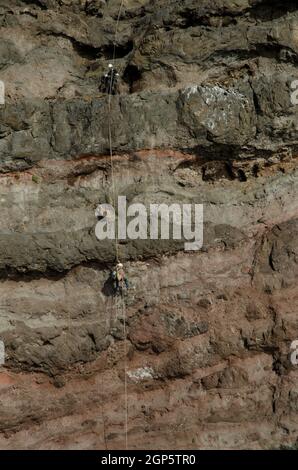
(203, 114)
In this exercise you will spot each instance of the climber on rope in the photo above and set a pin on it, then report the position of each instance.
(120, 281)
(109, 81)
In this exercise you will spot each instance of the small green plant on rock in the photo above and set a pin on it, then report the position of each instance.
(35, 179)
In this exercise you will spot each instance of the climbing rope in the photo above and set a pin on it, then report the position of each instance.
(125, 373)
(123, 308)
(109, 119)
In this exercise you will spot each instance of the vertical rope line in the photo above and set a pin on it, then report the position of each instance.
(109, 121)
(116, 234)
(112, 166)
(125, 374)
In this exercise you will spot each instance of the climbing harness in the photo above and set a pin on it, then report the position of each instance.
(120, 281)
(109, 81)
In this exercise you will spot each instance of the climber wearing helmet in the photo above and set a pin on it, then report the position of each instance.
(119, 278)
(109, 81)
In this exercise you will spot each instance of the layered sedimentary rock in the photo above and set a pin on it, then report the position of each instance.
(204, 114)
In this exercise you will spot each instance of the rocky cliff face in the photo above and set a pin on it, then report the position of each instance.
(203, 115)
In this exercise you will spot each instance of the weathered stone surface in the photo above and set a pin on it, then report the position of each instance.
(203, 114)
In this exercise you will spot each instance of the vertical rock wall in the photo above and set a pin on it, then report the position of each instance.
(203, 115)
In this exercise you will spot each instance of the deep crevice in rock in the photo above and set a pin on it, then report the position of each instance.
(38, 3)
(90, 52)
(269, 51)
(108, 52)
(191, 19)
(269, 10)
(132, 76)
(119, 51)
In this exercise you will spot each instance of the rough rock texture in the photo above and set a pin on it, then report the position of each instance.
(203, 115)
